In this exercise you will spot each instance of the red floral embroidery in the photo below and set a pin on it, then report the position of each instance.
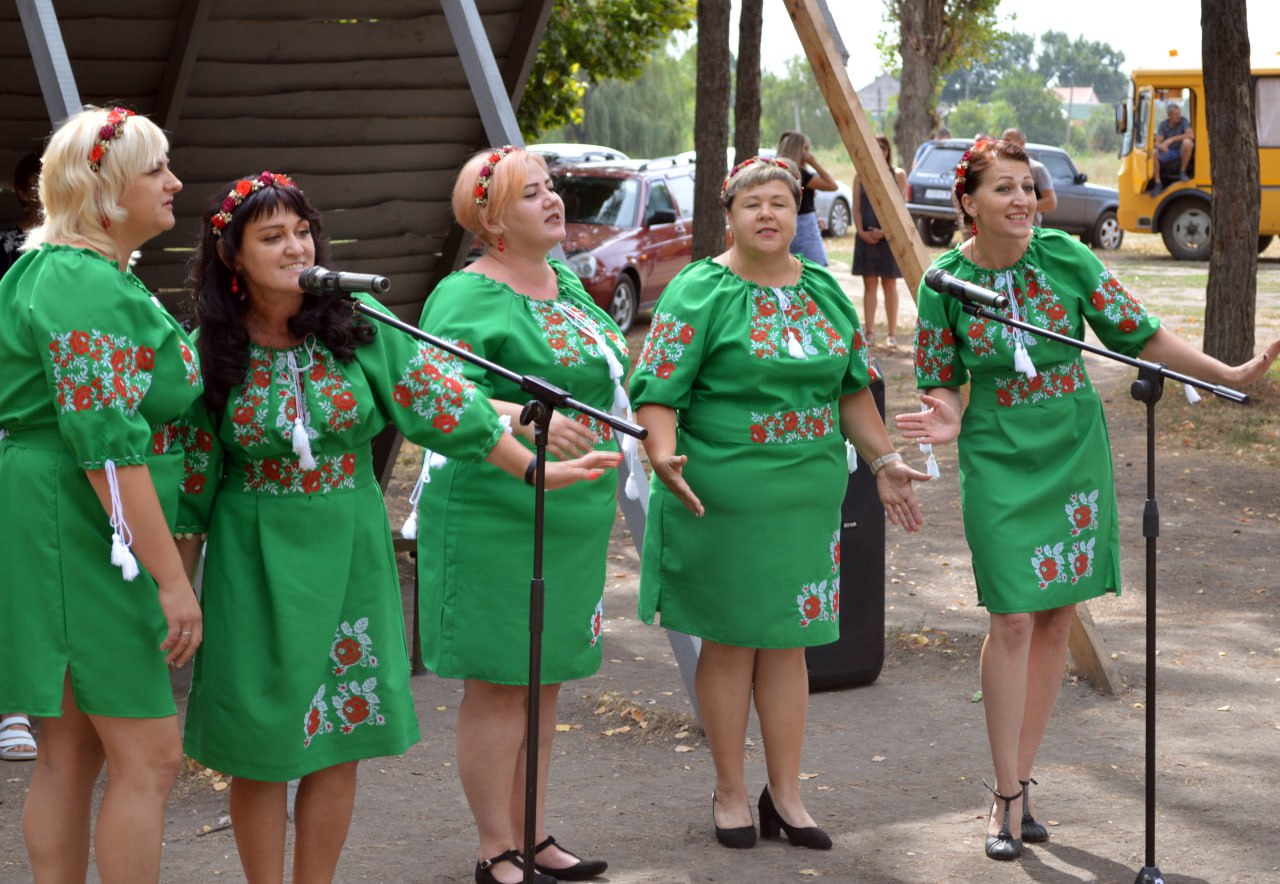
(603, 431)
(936, 354)
(284, 476)
(433, 387)
(95, 370)
(665, 344)
(794, 315)
(786, 427)
(1052, 382)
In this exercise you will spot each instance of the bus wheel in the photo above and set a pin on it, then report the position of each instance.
(1185, 230)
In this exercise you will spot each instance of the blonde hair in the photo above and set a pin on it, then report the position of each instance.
(754, 172)
(506, 182)
(792, 145)
(76, 199)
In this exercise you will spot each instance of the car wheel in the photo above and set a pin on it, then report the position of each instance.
(1263, 242)
(625, 303)
(1106, 231)
(838, 219)
(1186, 230)
(936, 231)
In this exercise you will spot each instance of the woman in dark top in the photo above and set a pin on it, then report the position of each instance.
(872, 258)
(796, 147)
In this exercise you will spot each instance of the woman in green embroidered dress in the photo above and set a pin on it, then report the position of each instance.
(92, 373)
(753, 367)
(533, 316)
(304, 670)
(1036, 482)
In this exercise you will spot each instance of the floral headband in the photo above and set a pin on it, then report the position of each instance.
(481, 190)
(245, 188)
(962, 167)
(765, 161)
(108, 133)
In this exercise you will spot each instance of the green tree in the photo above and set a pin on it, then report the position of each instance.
(1081, 62)
(795, 101)
(1039, 113)
(978, 77)
(968, 118)
(620, 113)
(934, 38)
(1098, 134)
(587, 41)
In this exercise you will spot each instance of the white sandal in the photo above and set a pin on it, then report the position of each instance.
(16, 744)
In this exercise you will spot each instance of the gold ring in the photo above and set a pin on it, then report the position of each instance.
(188, 632)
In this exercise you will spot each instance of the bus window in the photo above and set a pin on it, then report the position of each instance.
(1142, 118)
(1268, 106)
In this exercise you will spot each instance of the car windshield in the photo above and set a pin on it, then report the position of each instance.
(942, 159)
(610, 201)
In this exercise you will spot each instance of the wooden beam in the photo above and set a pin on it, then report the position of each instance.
(812, 21)
(524, 48)
(481, 68)
(1089, 654)
(176, 80)
(49, 54)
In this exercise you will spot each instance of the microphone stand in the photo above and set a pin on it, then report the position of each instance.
(546, 398)
(1148, 388)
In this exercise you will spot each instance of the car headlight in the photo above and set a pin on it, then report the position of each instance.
(584, 264)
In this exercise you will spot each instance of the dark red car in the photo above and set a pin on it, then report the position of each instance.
(629, 226)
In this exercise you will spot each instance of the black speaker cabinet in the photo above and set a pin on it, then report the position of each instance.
(858, 656)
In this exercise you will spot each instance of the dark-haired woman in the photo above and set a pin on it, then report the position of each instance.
(1035, 461)
(305, 668)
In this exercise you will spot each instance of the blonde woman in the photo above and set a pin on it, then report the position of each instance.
(796, 148)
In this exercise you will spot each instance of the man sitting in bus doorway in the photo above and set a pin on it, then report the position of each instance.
(1174, 143)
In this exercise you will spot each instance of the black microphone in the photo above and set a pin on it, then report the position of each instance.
(320, 281)
(942, 281)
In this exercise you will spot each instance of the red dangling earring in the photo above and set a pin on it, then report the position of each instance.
(974, 228)
(235, 284)
(106, 222)
(502, 246)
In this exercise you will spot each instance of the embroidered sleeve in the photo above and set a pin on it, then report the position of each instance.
(937, 358)
(1117, 317)
(672, 353)
(202, 469)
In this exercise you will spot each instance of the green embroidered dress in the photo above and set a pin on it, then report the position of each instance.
(1036, 483)
(475, 540)
(92, 369)
(755, 376)
(304, 663)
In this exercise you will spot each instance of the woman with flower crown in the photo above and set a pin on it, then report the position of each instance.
(532, 315)
(304, 670)
(753, 373)
(96, 603)
(1036, 482)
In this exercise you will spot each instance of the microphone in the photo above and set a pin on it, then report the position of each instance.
(942, 281)
(320, 281)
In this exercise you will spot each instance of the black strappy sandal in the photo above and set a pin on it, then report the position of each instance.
(1003, 846)
(1032, 831)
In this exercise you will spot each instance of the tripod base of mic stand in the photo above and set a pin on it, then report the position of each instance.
(1149, 875)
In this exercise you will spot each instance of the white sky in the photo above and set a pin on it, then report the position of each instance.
(1144, 30)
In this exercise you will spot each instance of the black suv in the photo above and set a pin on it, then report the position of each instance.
(1087, 210)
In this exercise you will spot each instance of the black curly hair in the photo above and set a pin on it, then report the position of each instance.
(223, 342)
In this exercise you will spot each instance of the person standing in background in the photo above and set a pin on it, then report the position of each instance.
(796, 147)
(873, 259)
(1046, 199)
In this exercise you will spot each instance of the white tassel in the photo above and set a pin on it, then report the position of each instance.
(630, 489)
(621, 404)
(121, 537)
(850, 456)
(1022, 360)
(1192, 396)
(931, 465)
(409, 530)
(794, 347)
(628, 446)
(302, 445)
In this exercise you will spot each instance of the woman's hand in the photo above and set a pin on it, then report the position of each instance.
(1251, 372)
(589, 467)
(893, 484)
(871, 235)
(566, 438)
(186, 625)
(938, 424)
(670, 469)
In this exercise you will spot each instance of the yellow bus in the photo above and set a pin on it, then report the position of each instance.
(1176, 203)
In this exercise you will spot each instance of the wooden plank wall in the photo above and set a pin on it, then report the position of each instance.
(365, 104)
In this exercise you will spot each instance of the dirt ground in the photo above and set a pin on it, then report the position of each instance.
(892, 770)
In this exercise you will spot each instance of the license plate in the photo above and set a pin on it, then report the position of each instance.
(934, 193)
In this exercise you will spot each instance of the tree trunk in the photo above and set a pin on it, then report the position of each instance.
(1230, 300)
(920, 25)
(711, 126)
(746, 105)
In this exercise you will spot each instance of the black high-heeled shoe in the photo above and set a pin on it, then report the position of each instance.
(582, 870)
(771, 821)
(1032, 831)
(739, 838)
(1003, 846)
(484, 876)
